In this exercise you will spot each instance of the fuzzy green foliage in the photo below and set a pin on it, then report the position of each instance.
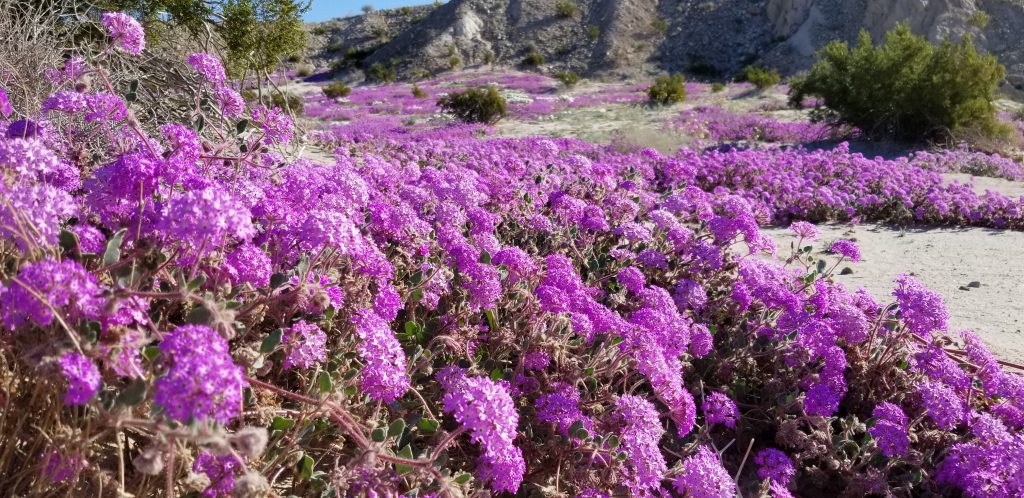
(418, 92)
(593, 32)
(454, 61)
(762, 78)
(289, 102)
(337, 89)
(906, 87)
(660, 25)
(566, 9)
(384, 73)
(475, 105)
(717, 87)
(979, 19)
(534, 58)
(667, 90)
(568, 78)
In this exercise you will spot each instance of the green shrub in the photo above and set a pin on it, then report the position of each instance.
(659, 25)
(534, 58)
(454, 61)
(418, 92)
(979, 19)
(336, 90)
(384, 73)
(286, 101)
(305, 70)
(566, 8)
(475, 105)
(717, 87)
(568, 78)
(593, 32)
(762, 78)
(667, 90)
(489, 57)
(906, 87)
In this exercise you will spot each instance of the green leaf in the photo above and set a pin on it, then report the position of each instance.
(497, 374)
(131, 97)
(462, 478)
(428, 426)
(132, 395)
(277, 280)
(613, 441)
(150, 352)
(405, 452)
(412, 329)
(416, 296)
(68, 240)
(492, 319)
(199, 315)
(485, 257)
(197, 282)
(271, 341)
(241, 126)
(324, 381)
(112, 253)
(133, 86)
(821, 266)
(396, 428)
(378, 435)
(582, 433)
(305, 467)
(200, 123)
(282, 424)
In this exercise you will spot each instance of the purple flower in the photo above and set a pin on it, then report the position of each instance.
(305, 345)
(383, 377)
(690, 295)
(775, 465)
(890, 429)
(804, 230)
(248, 264)
(640, 435)
(561, 408)
(231, 102)
(206, 220)
(202, 382)
(922, 310)
(83, 378)
(821, 400)
(537, 360)
(484, 409)
(632, 279)
(209, 67)
(59, 467)
(719, 409)
(5, 104)
(67, 102)
(105, 107)
(847, 249)
(125, 32)
(702, 476)
(220, 470)
(32, 215)
(277, 126)
(701, 341)
(945, 407)
(387, 302)
(65, 286)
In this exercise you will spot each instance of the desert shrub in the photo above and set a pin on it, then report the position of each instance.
(304, 70)
(659, 25)
(405, 11)
(905, 87)
(566, 8)
(367, 9)
(593, 32)
(488, 57)
(568, 78)
(761, 78)
(454, 61)
(475, 105)
(337, 89)
(290, 102)
(534, 58)
(384, 73)
(717, 87)
(979, 19)
(667, 90)
(418, 92)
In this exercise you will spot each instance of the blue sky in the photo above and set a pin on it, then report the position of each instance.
(328, 9)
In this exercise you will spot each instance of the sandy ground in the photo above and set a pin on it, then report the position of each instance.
(946, 261)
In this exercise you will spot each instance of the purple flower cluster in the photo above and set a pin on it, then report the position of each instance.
(83, 378)
(209, 67)
(775, 465)
(890, 429)
(719, 409)
(305, 345)
(384, 377)
(46, 287)
(922, 310)
(484, 409)
(202, 382)
(641, 433)
(220, 470)
(702, 476)
(561, 408)
(125, 32)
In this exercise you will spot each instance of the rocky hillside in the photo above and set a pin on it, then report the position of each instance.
(711, 38)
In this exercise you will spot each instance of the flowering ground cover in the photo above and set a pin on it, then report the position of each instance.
(187, 309)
